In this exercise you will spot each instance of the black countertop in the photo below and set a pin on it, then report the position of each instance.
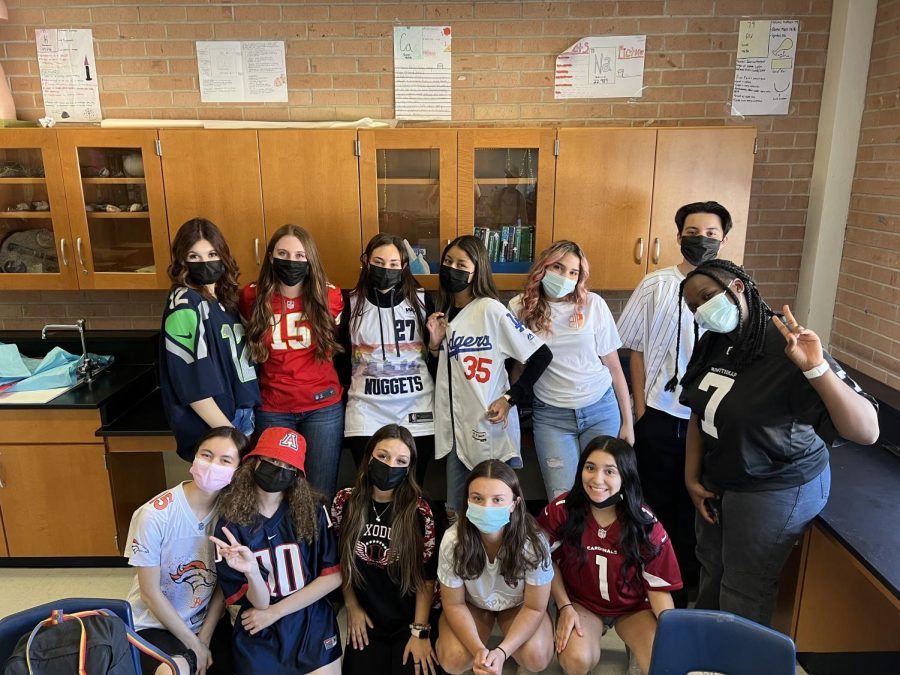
(108, 385)
(145, 418)
(864, 501)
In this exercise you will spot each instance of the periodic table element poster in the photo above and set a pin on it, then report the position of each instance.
(68, 74)
(764, 67)
(611, 66)
(422, 60)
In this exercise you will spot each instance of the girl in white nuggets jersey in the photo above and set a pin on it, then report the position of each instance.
(473, 334)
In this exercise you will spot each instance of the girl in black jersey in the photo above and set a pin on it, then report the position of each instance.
(766, 401)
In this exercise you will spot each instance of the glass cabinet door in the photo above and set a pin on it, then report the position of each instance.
(35, 244)
(114, 186)
(408, 188)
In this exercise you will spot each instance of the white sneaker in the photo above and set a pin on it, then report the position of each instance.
(633, 667)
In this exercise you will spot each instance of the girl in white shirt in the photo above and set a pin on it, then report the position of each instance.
(494, 565)
(583, 393)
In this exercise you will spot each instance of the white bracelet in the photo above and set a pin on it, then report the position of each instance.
(818, 371)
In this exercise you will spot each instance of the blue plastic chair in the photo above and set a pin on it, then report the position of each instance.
(721, 642)
(14, 626)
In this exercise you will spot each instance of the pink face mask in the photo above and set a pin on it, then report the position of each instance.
(211, 477)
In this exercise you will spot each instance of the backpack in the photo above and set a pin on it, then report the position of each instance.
(83, 643)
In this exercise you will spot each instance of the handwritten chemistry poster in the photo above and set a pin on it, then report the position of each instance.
(234, 72)
(422, 72)
(764, 68)
(602, 67)
(68, 74)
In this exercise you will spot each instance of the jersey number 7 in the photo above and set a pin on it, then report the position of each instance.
(721, 385)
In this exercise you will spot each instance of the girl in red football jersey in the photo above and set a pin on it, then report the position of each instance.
(292, 314)
(613, 561)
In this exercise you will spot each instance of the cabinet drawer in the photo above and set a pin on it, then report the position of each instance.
(37, 425)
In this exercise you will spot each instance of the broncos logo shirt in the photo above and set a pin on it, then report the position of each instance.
(165, 533)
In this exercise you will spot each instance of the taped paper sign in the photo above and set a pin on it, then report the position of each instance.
(602, 67)
(236, 72)
(764, 68)
(422, 88)
(68, 74)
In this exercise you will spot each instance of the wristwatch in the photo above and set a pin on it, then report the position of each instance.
(420, 630)
(509, 399)
(817, 371)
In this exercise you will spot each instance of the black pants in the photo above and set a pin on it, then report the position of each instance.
(384, 653)
(424, 452)
(659, 442)
(219, 645)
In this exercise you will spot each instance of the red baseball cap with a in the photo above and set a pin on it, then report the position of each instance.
(283, 444)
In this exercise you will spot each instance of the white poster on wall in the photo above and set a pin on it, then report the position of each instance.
(242, 72)
(764, 68)
(68, 74)
(422, 68)
(602, 67)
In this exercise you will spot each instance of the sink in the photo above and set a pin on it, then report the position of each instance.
(40, 396)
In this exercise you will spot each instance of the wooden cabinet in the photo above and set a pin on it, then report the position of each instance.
(310, 177)
(604, 190)
(36, 247)
(215, 174)
(116, 206)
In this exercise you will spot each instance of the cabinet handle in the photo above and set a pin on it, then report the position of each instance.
(62, 251)
(256, 251)
(639, 251)
(656, 250)
(80, 255)
(2, 482)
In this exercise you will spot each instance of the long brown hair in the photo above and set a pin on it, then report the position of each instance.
(483, 281)
(407, 545)
(189, 234)
(469, 554)
(313, 293)
(535, 312)
(239, 502)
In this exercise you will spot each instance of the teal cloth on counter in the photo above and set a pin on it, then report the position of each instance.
(56, 369)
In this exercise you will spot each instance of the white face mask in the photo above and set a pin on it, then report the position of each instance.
(718, 314)
(557, 286)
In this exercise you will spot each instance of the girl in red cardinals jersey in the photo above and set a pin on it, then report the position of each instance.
(613, 561)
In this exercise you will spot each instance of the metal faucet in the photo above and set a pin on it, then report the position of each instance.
(86, 368)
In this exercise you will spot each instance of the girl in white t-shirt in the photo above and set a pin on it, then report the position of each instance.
(583, 393)
(494, 565)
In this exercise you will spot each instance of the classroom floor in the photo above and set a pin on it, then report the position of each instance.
(23, 588)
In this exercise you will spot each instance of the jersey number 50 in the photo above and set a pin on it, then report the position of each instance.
(477, 369)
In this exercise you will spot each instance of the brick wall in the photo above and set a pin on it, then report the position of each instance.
(866, 331)
(339, 60)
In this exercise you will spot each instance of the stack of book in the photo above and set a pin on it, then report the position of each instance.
(508, 243)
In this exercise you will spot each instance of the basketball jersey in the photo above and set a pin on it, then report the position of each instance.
(390, 382)
(597, 584)
(471, 375)
(301, 641)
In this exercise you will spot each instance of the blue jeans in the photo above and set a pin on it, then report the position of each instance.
(560, 435)
(323, 430)
(741, 559)
(243, 421)
(456, 479)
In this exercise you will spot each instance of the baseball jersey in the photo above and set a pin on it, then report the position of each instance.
(490, 590)
(379, 594)
(471, 375)
(576, 377)
(762, 427)
(292, 379)
(304, 640)
(165, 533)
(390, 382)
(203, 354)
(598, 584)
(649, 324)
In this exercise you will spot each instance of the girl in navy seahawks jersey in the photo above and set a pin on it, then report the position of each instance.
(278, 561)
(765, 401)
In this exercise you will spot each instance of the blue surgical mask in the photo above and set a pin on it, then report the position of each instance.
(556, 285)
(487, 519)
(718, 314)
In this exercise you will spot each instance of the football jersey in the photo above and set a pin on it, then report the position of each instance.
(471, 375)
(165, 533)
(304, 640)
(203, 354)
(576, 377)
(762, 427)
(598, 584)
(390, 382)
(293, 379)
(489, 590)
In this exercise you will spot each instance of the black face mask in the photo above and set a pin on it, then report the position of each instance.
(290, 272)
(386, 477)
(698, 250)
(453, 280)
(206, 272)
(384, 278)
(271, 478)
(609, 501)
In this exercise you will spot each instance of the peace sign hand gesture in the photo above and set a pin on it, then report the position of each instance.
(803, 347)
(236, 555)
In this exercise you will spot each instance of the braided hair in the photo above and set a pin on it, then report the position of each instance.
(751, 335)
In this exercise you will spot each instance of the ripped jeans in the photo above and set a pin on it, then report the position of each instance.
(560, 434)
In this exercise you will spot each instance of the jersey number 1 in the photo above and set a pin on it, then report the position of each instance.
(721, 385)
(603, 576)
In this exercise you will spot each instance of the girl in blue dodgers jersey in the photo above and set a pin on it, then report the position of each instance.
(474, 334)
(279, 560)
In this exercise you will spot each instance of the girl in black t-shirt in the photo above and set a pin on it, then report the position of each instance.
(388, 546)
